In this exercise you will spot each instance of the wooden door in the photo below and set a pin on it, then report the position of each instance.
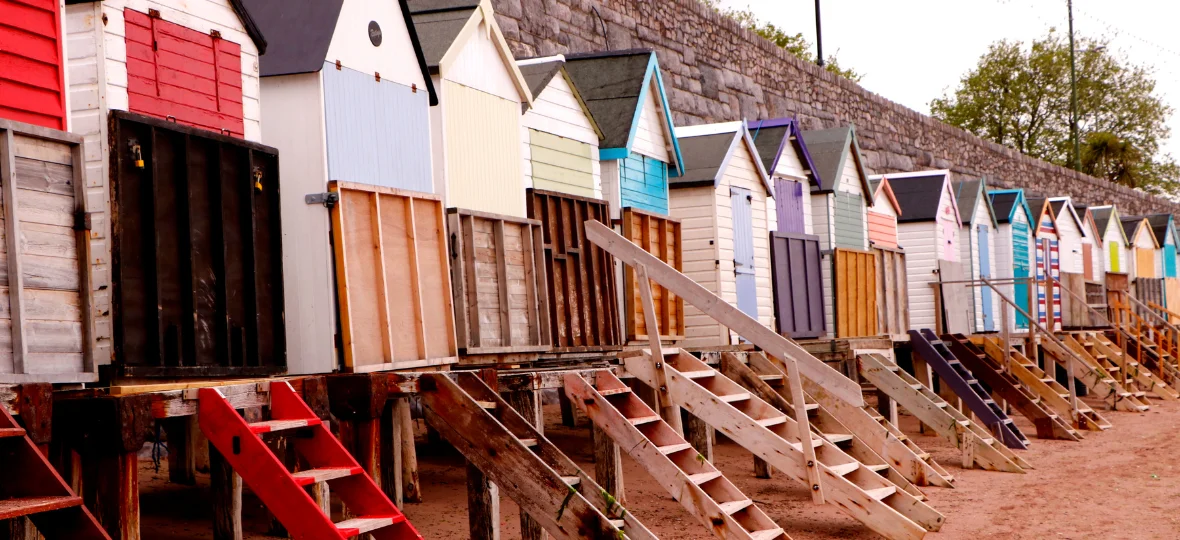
(798, 285)
(1048, 264)
(892, 292)
(788, 199)
(743, 250)
(855, 278)
(1115, 263)
(1169, 260)
(1088, 261)
(1144, 262)
(1020, 269)
(956, 303)
(985, 293)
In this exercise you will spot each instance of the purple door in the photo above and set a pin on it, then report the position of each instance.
(788, 198)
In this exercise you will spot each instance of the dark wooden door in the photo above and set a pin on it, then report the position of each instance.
(798, 285)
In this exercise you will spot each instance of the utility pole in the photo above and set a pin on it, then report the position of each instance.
(1073, 95)
(819, 38)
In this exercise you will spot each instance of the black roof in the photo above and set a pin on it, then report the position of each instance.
(1102, 215)
(703, 157)
(918, 196)
(438, 27)
(538, 74)
(1003, 203)
(301, 30)
(1159, 225)
(610, 83)
(769, 142)
(1129, 223)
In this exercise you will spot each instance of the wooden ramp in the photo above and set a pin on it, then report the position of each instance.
(30, 487)
(956, 376)
(686, 475)
(1143, 378)
(1098, 380)
(861, 437)
(771, 435)
(514, 455)
(1050, 392)
(980, 446)
(1049, 425)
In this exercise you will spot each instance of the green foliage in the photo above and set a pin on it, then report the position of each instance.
(1019, 96)
(793, 43)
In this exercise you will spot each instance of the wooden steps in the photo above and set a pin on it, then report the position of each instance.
(700, 488)
(986, 453)
(518, 458)
(1050, 393)
(1087, 370)
(866, 453)
(1143, 377)
(900, 515)
(1048, 424)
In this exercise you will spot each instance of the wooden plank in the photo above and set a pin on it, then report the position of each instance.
(12, 235)
(501, 262)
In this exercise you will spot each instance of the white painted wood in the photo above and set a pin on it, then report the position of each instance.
(308, 281)
(394, 59)
(1070, 237)
(696, 208)
(480, 65)
(921, 263)
(652, 138)
(609, 173)
(482, 138)
(970, 252)
(556, 110)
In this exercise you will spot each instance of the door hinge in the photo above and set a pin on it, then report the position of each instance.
(328, 199)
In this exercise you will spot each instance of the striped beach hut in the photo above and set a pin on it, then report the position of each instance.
(725, 204)
(1013, 250)
(1070, 233)
(1047, 259)
(978, 249)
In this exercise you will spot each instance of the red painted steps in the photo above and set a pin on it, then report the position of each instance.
(281, 490)
(29, 486)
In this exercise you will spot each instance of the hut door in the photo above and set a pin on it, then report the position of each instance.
(1048, 264)
(798, 285)
(743, 250)
(788, 196)
(1144, 262)
(1114, 257)
(1169, 260)
(1088, 261)
(985, 293)
(1020, 269)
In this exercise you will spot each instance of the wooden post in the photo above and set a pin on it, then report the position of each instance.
(111, 491)
(669, 411)
(320, 494)
(608, 465)
(568, 413)
(182, 464)
(405, 422)
(483, 506)
(528, 404)
(762, 469)
(391, 455)
(699, 434)
(226, 486)
(20, 528)
(367, 448)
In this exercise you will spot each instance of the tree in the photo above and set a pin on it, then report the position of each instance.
(1020, 97)
(792, 43)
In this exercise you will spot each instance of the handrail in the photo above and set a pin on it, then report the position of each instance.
(1151, 311)
(1170, 313)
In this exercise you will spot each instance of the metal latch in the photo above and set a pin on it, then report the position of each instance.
(328, 199)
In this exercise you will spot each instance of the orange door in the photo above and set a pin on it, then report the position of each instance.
(1088, 261)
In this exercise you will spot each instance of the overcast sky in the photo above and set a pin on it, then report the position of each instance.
(911, 51)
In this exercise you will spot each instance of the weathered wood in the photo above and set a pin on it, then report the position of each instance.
(111, 491)
(284, 449)
(699, 434)
(411, 491)
(226, 486)
(182, 464)
(407, 231)
(483, 506)
(728, 315)
(528, 405)
(854, 278)
(391, 455)
(892, 292)
(660, 236)
(795, 262)
(608, 465)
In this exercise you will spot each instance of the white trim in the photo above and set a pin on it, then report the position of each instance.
(709, 129)
(541, 60)
(914, 174)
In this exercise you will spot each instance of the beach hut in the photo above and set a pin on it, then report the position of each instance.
(1047, 260)
(794, 248)
(725, 204)
(1143, 241)
(624, 92)
(1013, 250)
(882, 218)
(838, 209)
(360, 66)
(1093, 262)
(978, 249)
(475, 130)
(560, 135)
(34, 74)
(929, 228)
(1164, 228)
(1070, 234)
(1116, 258)
(892, 294)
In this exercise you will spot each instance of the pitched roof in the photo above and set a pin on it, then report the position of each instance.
(968, 194)
(881, 184)
(1132, 224)
(539, 71)
(1159, 226)
(918, 194)
(1059, 203)
(1004, 202)
(301, 31)
(829, 148)
(709, 148)
(1102, 215)
(771, 137)
(613, 85)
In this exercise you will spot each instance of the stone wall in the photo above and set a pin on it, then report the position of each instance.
(717, 71)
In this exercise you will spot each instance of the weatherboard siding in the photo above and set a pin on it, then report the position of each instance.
(790, 168)
(922, 254)
(560, 164)
(557, 111)
(972, 252)
(1070, 237)
(696, 208)
(375, 131)
(643, 183)
(33, 73)
(480, 65)
(651, 134)
(483, 151)
(849, 221)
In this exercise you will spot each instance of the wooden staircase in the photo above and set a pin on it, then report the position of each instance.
(1050, 392)
(952, 373)
(281, 490)
(1143, 378)
(518, 458)
(1087, 370)
(771, 435)
(30, 487)
(1049, 425)
(984, 450)
(686, 475)
(768, 382)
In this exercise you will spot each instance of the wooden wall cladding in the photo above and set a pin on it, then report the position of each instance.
(392, 282)
(197, 252)
(893, 306)
(500, 291)
(584, 311)
(1073, 311)
(1148, 290)
(795, 262)
(46, 320)
(855, 277)
(660, 236)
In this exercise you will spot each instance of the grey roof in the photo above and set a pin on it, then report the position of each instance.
(703, 157)
(1058, 206)
(437, 30)
(1002, 203)
(1159, 225)
(967, 196)
(829, 148)
(538, 74)
(769, 142)
(873, 183)
(1102, 217)
(918, 196)
(610, 84)
(1129, 224)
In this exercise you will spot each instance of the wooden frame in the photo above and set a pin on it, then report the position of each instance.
(391, 262)
(197, 252)
(646, 229)
(854, 276)
(584, 312)
(495, 260)
(893, 303)
(50, 314)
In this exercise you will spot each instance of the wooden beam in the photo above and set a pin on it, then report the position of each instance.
(182, 464)
(391, 455)
(608, 465)
(528, 404)
(483, 506)
(724, 313)
(405, 422)
(12, 237)
(226, 486)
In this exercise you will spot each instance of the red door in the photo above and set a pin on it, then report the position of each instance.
(1088, 261)
(32, 80)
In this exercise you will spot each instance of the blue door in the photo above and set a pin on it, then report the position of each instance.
(743, 250)
(1020, 269)
(985, 272)
(1169, 260)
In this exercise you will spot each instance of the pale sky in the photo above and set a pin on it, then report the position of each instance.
(910, 51)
